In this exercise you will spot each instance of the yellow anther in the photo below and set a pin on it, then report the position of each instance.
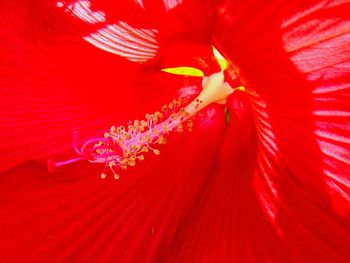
(223, 63)
(165, 128)
(180, 128)
(144, 149)
(185, 71)
(148, 138)
(131, 163)
(240, 88)
(161, 140)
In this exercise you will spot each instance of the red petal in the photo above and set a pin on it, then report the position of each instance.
(74, 215)
(294, 60)
(226, 223)
(53, 81)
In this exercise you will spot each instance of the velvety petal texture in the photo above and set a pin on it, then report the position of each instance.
(293, 59)
(55, 81)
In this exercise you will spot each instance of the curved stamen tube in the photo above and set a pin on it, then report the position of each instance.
(121, 147)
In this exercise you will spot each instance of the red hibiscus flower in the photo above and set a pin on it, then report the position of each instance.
(268, 182)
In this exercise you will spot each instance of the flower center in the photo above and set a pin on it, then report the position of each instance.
(124, 145)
